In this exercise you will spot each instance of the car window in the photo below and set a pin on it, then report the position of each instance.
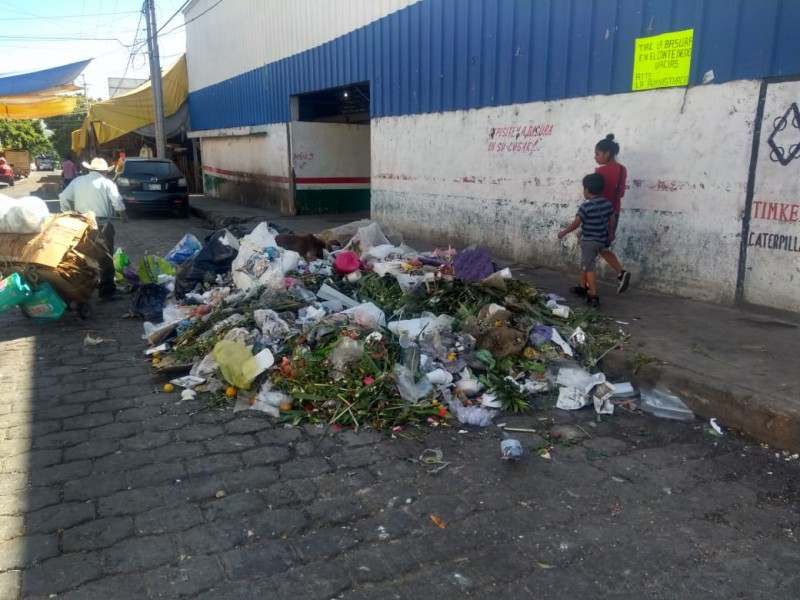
(152, 169)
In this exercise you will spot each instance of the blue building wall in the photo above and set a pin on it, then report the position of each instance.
(443, 55)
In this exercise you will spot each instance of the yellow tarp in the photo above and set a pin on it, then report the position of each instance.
(114, 118)
(37, 109)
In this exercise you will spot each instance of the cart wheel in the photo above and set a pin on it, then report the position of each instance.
(84, 310)
(24, 312)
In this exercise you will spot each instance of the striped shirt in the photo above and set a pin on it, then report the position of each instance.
(594, 215)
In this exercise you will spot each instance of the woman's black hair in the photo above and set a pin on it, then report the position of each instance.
(607, 144)
(594, 183)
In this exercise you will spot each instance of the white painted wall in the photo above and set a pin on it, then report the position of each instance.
(256, 166)
(240, 35)
(330, 151)
(259, 154)
(687, 152)
(773, 252)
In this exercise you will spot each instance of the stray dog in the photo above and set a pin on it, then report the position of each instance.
(306, 245)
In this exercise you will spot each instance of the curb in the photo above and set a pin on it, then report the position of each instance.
(755, 413)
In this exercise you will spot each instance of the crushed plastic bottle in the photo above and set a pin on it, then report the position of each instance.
(663, 404)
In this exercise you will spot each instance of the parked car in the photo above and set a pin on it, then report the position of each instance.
(45, 162)
(6, 172)
(153, 184)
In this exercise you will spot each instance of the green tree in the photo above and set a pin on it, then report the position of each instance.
(24, 134)
(63, 126)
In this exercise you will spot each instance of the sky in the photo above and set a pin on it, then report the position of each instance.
(49, 33)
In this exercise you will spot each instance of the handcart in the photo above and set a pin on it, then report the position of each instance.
(60, 266)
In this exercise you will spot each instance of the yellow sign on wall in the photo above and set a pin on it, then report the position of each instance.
(663, 60)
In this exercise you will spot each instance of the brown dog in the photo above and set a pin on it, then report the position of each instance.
(306, 245)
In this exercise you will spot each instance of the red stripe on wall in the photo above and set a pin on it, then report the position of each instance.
(242, 174)
(332, 180)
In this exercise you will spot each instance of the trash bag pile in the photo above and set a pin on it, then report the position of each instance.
(365, 332)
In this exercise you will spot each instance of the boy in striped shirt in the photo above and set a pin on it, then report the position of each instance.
(596, 219)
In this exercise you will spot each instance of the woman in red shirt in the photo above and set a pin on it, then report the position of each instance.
(616, 176)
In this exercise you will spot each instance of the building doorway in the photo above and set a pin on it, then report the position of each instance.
(330, 150)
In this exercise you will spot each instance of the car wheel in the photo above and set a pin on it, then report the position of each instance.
(184, 212)
(11, 183)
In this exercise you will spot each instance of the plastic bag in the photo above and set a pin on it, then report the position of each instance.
(214, 258)
(346, 353)
(270, 324)
(472, 415)
(473, 265)
(238, 365)
(121, 261)
(149, 301)
(410, 390)
(663, 404)
(151, 267)
(22, 215)
(184, 250)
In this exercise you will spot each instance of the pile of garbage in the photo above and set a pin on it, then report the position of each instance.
(367, 332)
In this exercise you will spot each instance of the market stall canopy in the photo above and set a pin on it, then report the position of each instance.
(37, 95)
(114, 118)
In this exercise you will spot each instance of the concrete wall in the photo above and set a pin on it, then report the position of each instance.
(250, 169)
(331, 164)
(509, 178)
(773, 247)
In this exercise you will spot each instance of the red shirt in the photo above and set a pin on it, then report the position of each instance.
(614, 174)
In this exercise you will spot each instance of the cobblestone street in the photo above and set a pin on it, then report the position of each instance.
(110, 489)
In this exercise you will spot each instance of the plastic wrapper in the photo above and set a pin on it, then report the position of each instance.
(206, 367)
(366, 315)
(270, 324)
(184, 250)
(152, 267)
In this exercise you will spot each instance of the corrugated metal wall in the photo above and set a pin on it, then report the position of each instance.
(443, 55)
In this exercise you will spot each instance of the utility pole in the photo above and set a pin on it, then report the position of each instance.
(155, 78)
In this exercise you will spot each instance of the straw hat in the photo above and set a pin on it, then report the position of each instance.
(97, 164)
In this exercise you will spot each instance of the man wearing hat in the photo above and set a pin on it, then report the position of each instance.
(94, 192)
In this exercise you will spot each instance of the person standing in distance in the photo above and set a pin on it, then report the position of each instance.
(94, 192)
(69, 171)
(616, 178)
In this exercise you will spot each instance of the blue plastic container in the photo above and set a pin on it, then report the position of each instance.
(14, 290)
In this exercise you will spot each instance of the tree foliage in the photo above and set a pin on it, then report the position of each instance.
(63, 126)
(24, 134)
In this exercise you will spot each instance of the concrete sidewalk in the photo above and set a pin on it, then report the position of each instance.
(735, 365)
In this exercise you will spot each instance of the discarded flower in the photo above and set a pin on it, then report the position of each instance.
(369, 380)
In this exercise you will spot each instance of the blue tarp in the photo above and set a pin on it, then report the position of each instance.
(39, 81)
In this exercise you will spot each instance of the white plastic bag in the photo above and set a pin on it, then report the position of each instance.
(22, 215)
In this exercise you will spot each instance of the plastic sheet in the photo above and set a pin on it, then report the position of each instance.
(663, 404)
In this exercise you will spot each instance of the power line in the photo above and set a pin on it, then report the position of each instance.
(62, 17)
(133, 52)
(217, 3)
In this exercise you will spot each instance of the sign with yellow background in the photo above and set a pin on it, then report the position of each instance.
(663, 60)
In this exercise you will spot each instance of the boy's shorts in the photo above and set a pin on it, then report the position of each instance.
(590, 249)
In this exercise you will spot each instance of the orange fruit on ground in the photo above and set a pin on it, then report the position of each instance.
(230, 392)
(156, 361)
(286, 406)
(169, 388)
